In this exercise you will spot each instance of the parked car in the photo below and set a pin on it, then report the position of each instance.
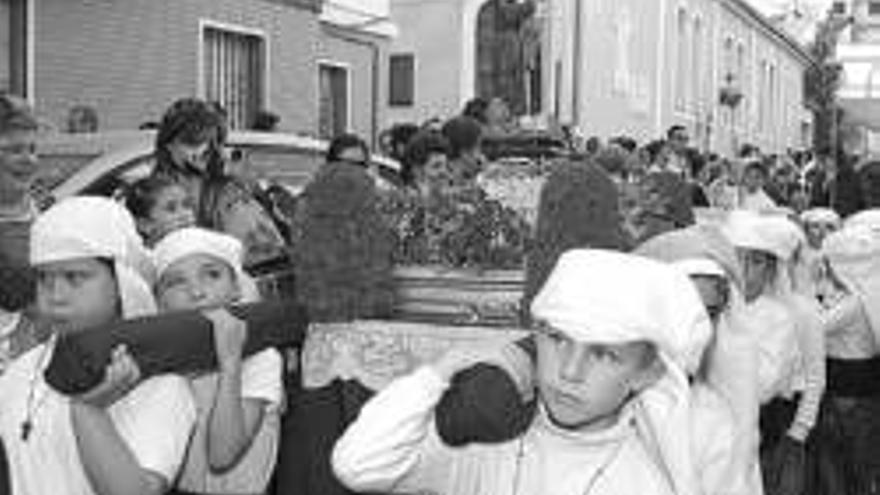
(103, 163)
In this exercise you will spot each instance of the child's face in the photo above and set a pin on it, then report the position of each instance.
(584, 385)
(753, 179)
(18, 160)
(173, 210)
(816, 233)
(74, 294)
(759, 268)
(714, 292)
(197, 281)
(435, 173)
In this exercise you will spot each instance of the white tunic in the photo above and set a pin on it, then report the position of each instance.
(778, 349)
(260, 380)
(393, 446)
(154, 420)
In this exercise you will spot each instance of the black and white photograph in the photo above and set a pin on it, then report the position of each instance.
(440, 247)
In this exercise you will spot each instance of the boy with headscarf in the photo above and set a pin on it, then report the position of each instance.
(121, 437)
(614, 407)
(236, 437)
(724, 387)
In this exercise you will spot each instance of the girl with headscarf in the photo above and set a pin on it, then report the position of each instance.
(236, 436)
(614, 337)
(791, 363)
(123, 436)
(849, 431)
(189, 149)
(817, 223)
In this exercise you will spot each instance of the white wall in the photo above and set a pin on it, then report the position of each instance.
(432, 31)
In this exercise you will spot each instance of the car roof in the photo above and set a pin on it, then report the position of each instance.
(71, 162)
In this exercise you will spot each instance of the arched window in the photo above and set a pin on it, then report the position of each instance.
(681, 61)
(508, 55)
(697, 51)
(741, 79)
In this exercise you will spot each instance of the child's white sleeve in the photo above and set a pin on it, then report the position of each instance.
(811, 340)
(722, 470)
(156, 420)
(261, 377)
(393, 444)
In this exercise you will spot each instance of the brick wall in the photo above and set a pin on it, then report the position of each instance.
(130, 58)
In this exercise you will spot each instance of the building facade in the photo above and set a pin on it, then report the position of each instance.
(315, 66)
(858, 52)
(612, 67)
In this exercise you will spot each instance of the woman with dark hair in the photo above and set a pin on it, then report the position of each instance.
(189, 149)
(348, 148)
(476, 108)
(426, 159)
(465, 135)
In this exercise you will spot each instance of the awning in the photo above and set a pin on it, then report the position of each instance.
(862, 111)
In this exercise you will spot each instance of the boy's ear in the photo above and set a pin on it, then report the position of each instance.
(647, 375)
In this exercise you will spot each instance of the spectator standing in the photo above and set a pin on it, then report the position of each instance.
(190, 149)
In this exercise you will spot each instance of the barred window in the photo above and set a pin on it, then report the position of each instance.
(235, 73)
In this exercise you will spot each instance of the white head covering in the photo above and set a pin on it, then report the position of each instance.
(196, 240)
(730, 365)
(700, 267)
(870, 218)
(825, 216)
(854, 255)
(775, 234)
(97, 227)
(603, 296)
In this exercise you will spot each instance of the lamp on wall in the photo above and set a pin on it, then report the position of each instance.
(730, 94)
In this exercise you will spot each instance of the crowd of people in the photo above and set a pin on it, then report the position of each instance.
(668, 351)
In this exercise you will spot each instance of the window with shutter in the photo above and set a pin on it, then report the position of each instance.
(13, 46)
(401, 86)
(333, 100)
(234, 73)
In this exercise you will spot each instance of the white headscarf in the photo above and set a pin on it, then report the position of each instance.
(854, 255)
(600, 296)
(824, 216)
(775, 234)
(869, 218)
(97, 227)
(731, 363)
(196, 240)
